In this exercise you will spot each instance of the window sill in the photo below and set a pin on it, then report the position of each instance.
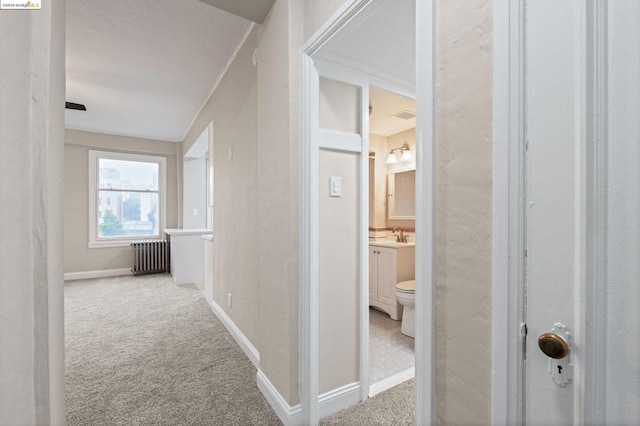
(116, 243)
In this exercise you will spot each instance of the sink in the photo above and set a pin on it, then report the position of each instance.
(389, 243)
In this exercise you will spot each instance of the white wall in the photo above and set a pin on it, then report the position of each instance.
(378, 144)
(194, 193)
(277, 200)
(77, 256)
(396, 141)
(339, 106)
(232, 108)
(338, 272)
(382, 145)
(317, 12)
(463, 217)
(622, 366)
(32, 85)
(255, 111)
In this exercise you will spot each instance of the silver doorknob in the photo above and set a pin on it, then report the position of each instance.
(553, 345)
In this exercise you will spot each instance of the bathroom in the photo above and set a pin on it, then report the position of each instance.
(391, 239)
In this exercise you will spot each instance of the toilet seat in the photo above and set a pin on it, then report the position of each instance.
(406, 296)
(406, 286)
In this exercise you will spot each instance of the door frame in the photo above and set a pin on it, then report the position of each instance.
(509, 214)
(425, 213)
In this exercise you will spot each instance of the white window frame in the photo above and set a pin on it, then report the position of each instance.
(94, 157)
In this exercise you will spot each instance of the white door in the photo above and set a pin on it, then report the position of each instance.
(581, 99)
(553, 209)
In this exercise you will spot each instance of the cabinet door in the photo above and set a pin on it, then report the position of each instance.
(373, 272)
(387, 275)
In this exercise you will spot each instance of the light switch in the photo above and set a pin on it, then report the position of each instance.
(195, 212)
(335, 186)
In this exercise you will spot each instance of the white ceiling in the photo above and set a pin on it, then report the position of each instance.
(145, 68)
(384, 26)
(384, 105)
(253, 10)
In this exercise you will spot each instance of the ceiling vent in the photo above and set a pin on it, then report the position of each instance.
(405, 115)
(77, 107)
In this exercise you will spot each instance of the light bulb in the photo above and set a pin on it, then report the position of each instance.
(406, 155)
(392, 159)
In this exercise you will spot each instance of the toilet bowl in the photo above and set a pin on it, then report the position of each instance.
(406, 296)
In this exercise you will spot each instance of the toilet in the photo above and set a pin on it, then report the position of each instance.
(406, 296)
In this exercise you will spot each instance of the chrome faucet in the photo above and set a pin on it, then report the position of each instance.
(399, 238)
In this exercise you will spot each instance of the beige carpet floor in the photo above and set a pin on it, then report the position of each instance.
(394, 407)
(142, 351)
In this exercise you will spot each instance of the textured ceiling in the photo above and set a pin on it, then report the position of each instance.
(145, 68)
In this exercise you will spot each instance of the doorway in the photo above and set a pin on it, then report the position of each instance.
(349, 50)
(392, 196)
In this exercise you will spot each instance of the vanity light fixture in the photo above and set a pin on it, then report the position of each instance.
(404, 150)
(406, 155)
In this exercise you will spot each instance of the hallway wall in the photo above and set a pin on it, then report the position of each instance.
(232, 108)
(32, 84)
(464, 211)
(256, 225)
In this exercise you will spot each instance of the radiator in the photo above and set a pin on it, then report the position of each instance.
(150, 257)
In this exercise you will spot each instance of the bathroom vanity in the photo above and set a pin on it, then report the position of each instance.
(389, 263)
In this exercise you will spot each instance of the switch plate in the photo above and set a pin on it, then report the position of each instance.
(195, 212)
(229, 300)
(335, 186)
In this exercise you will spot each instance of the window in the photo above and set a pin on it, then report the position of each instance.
(126, 198)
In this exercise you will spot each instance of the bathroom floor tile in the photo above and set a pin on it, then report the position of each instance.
(390, 352)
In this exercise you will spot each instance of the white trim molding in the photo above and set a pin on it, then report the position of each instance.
(329, 402)
(425, 212)
(357, 76)
(95, 241)
(339, 398)
(595, 61)
(288, 415)
(87, 275)
(508, 213)
(242, 340)
(339, 141)
(308, 302)
(392, 381)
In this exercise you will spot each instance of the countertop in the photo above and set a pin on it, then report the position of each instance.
(389, 243)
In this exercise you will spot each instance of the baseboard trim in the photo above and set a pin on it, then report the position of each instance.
(250, 350)
(288, 415)
(86, 275)
(329, 402)
(338, 399)
(392, 381)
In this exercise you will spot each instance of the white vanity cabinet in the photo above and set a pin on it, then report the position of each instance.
(389, 263)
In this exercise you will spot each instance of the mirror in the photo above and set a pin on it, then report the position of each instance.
(401, 197)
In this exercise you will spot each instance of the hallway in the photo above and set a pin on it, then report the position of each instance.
(144, 351)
